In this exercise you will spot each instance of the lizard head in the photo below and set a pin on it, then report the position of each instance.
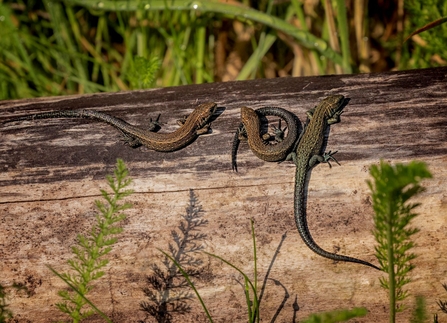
(203, 113)
(250, 119)
(335, 105)
(248, 114)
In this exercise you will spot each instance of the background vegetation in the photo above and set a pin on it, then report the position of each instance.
(56, 47)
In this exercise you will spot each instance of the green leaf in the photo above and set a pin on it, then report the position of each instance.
(336, 316)
(428, 26)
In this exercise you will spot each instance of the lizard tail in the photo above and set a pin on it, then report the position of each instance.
(81, 113)
(303, 229)
(48, 115)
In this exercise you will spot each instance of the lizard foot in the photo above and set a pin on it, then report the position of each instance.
(131, 141)
(330, 156)
(279, 133)
(154, 125)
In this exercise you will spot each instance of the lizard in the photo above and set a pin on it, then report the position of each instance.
(250, 128)
(195, 124)
(307, 154)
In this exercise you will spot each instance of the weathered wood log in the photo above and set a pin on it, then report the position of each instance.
(52, 170)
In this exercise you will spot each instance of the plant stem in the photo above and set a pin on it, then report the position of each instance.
(200, 39)
(190, 283)
(302, 19)
(255, 261)
(391, 276)
(105, 317)
(344, 36)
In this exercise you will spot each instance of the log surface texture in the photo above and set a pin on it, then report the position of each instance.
(51, 172)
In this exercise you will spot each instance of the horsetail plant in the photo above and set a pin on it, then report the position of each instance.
(89, 253)
(392, 188)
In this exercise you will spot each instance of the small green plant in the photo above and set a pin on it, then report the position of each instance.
(5, 313)
(419, 312)
(336, 316)
(253, 300)
(144, 72)
(250, 288)
(443, 304)
(392, 188)
(89, 253)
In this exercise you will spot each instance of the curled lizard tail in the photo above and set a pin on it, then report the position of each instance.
(303, 229)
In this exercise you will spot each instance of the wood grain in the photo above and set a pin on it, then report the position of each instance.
(51, 172)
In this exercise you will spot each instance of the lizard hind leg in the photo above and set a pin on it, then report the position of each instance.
(134, 142)
(278, 132)
(154, 125)
(130, 140)
(330, 156)
(325, 158)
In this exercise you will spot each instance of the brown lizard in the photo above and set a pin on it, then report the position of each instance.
(195, 124)
(251, 126)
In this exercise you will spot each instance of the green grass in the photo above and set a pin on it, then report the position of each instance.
(5, 312)
(82, 46)
(426, 49)
(251, 293)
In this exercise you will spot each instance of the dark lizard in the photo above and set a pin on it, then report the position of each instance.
(309, 153)
(195, 124)
(250, 129)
